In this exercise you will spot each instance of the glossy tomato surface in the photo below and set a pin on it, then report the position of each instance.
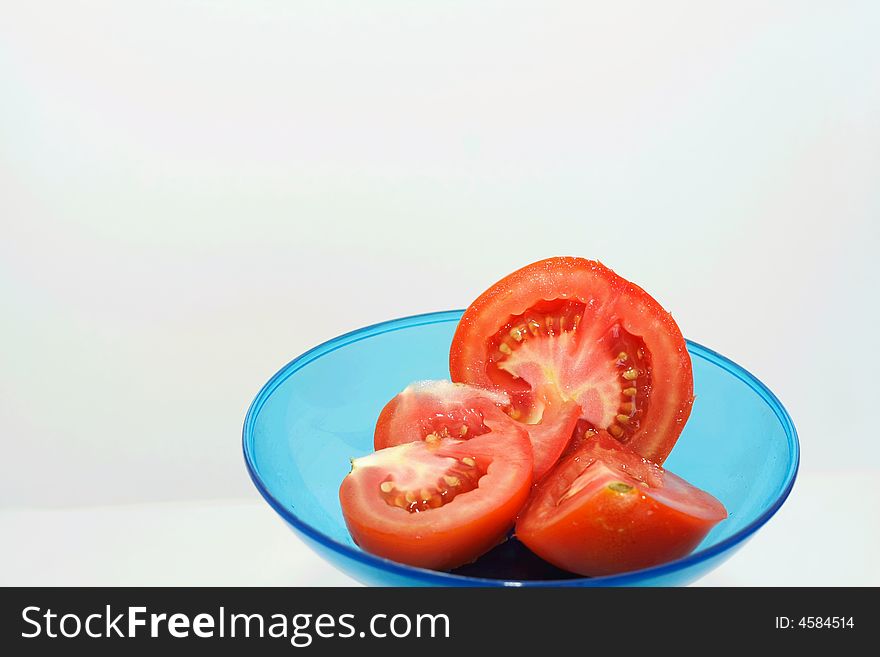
(572, 329)
(605, 510)
(437, 504)
(441, 409)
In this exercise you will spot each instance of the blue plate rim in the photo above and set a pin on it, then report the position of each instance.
(439, 578)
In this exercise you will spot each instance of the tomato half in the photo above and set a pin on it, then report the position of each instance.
(604, 509)
(437, 504)
(578, 330)
(441, 409)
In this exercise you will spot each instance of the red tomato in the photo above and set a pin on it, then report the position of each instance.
(604, 509)
(573, 328)
(441, 409)
(438, 504)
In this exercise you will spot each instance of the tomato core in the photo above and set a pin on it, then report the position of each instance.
(430, 486)
(549, 344)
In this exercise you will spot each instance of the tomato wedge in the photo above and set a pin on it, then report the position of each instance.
(604, 509)
(573, 329)
(437, 504)
(442, 409)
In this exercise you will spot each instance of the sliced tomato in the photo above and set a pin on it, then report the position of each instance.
(573, 328)
(441, 409)
(551, 432)
(438, 504)
(604, 509)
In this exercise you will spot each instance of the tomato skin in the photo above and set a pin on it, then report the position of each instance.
(456, 533)
(445, 408)
(590, 517)
(607, 300)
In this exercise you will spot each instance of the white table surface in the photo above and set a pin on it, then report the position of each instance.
(826, 534)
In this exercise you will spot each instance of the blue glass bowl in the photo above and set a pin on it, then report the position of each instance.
(319, 410)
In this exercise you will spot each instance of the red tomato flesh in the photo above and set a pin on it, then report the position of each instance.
(440, 409)
(604, 510)
(571, 328)
(438, 504)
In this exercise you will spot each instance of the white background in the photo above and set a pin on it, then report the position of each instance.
(194, 192)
